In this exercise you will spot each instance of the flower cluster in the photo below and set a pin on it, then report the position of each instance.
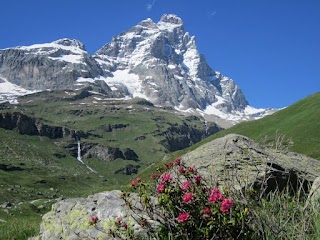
(183, 217)
(187, 198)
(187, 204)
(192, 191)
(135, 182)
(185, 185)
(226, 205)
(165, 178)
(215, 196)
(160, 188)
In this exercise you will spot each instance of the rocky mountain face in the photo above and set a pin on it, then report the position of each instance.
(157, 61)
(168, 65)
(48, 66)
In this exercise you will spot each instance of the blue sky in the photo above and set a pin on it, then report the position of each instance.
(271, 48)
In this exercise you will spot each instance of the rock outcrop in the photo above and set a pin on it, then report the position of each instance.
(314, 195)
(101, 152)
(24, 124)
(252, 164)
(178, 137)
(70, 218)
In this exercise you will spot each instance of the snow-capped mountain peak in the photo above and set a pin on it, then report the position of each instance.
(171, 18)
(70, 43)
(157, 61)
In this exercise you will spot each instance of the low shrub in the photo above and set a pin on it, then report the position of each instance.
(187, 207)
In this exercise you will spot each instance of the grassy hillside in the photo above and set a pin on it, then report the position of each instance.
(299, 123)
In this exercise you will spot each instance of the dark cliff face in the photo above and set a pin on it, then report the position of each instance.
(103, 153)
(26, 125)
(182, 136)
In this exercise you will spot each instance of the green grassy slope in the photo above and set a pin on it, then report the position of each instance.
(299, 122)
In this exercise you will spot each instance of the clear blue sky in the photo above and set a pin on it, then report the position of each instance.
(271, 48)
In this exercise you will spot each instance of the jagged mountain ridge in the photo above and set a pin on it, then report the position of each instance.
(156, 61)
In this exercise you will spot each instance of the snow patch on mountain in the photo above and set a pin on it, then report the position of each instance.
(130, 80)
(68, 50)
(9, 91)
(249, 113)
(77, 47)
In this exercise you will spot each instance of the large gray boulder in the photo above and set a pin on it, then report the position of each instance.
(70, 218)
(238, 160)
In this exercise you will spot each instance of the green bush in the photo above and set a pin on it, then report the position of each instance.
(187, 208)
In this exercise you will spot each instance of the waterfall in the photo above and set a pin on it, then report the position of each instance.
(79, 152)
(206, 125)
(79, 157)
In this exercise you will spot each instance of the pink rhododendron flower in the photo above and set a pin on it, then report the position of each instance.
(165, 178)
(183, 217)
(177, 161)
(169, 165)
(207, 210)
(125, 225)
(187, 198)
(226, 205)
(185, 185)
(198, 179)
(94, 219)
(215, 195)
(119, 219)
(181, 169)
(191, 169)
(160, 188)
(135, 182)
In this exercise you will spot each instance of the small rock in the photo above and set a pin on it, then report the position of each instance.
(40, 207)
(6, 205)
(314, 194)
